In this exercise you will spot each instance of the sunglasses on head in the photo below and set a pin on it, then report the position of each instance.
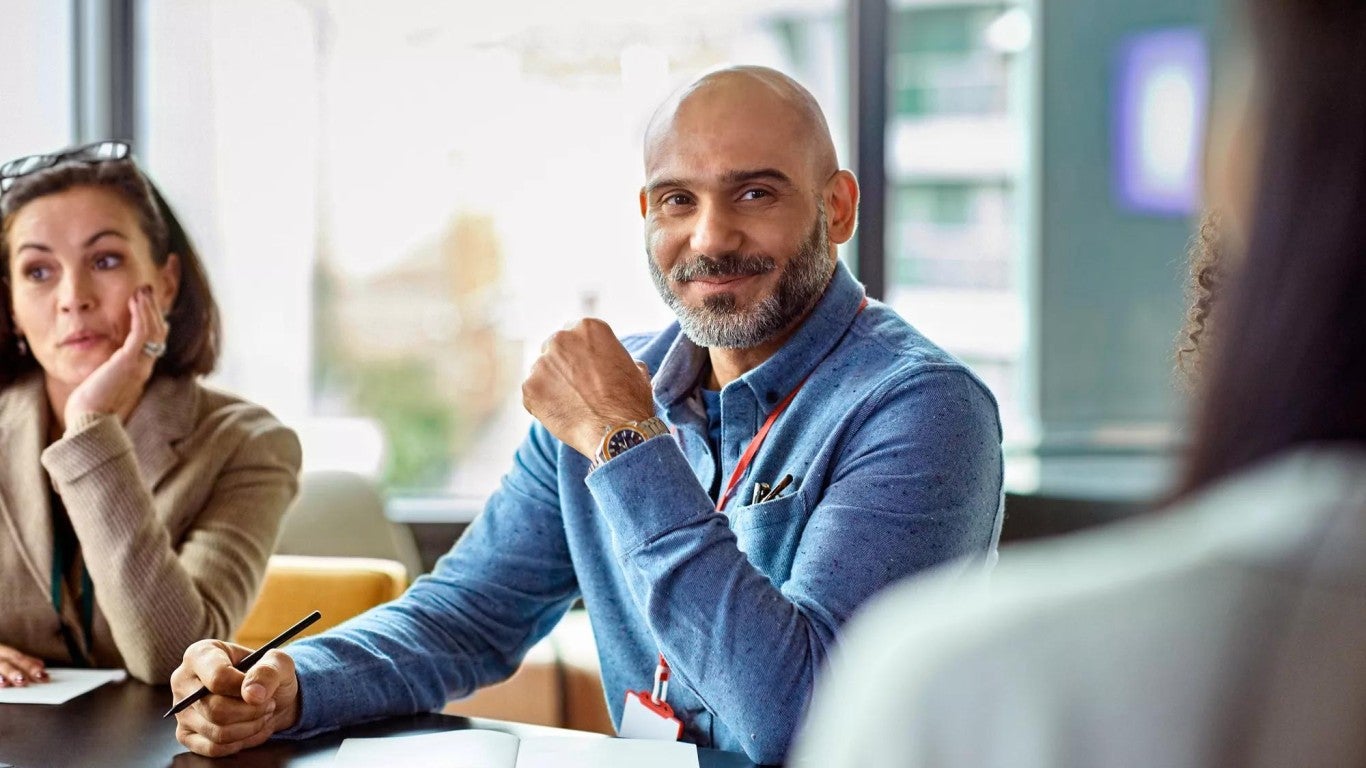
(98, 152)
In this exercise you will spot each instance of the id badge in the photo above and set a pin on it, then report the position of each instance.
(645, 719)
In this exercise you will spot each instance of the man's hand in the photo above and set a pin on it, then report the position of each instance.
(585, 383)
(242, 709)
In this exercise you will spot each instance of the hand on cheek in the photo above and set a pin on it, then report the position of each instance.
(116, 386)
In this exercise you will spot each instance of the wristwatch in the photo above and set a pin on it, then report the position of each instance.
(621, 438)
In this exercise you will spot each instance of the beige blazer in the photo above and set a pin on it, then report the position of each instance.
(176, 511)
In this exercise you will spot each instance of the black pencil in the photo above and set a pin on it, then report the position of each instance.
(248, 662)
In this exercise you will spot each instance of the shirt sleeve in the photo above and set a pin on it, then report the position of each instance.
(917, 484)
(466, 625)
(157, 595)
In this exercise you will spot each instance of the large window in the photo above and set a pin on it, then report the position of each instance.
(37, 95)
(398, 201)
(955, 159)
(399, 205)
(941, 64)
(952, 235)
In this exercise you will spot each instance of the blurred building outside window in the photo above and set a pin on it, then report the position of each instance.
(397, 208)
(956, 151)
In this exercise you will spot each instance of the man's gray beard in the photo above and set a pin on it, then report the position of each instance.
(719, 323)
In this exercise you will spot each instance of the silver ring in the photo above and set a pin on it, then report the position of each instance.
(154, 349)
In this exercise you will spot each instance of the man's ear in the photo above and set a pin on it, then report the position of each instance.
(841, 206)
(168, 283)
(644, 206)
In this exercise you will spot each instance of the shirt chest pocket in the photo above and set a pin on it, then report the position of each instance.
(769, 533)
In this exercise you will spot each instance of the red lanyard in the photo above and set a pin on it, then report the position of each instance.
(753, 448)
(662, 672)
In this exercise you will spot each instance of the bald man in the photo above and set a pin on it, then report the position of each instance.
(724, 494)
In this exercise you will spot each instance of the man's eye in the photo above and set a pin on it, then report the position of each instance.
(677, 199)
(754, 194)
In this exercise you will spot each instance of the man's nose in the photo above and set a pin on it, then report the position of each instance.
(75, 293)
(715, 231)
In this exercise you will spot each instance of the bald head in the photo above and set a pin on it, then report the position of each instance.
(715, 101)
(740, 165)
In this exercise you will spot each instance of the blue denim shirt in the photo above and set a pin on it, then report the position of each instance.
(895, 451)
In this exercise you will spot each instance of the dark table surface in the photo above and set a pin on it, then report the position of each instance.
(120, 725)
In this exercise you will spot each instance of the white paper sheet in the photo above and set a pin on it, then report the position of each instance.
(569, 752)
(63, 686)
(449, 749)
(492, 749)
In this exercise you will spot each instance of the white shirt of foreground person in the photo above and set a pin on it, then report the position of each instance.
(1228, 631)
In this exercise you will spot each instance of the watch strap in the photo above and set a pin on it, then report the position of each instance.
(651, 427)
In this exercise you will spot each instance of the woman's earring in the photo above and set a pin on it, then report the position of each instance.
(23, 346)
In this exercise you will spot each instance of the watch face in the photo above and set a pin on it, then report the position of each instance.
(621, 440)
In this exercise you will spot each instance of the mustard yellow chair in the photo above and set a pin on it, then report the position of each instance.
(338, 587)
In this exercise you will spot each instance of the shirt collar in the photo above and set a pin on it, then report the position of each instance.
(772, 379)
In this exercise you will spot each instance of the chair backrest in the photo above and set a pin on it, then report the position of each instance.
(341, 514)
(1033, 516)
(338, 587)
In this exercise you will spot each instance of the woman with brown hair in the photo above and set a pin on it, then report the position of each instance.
(138, 506)
(1228, 629)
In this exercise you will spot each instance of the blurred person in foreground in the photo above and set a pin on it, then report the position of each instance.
(1230, 629)
(622, 494)
(138, 507)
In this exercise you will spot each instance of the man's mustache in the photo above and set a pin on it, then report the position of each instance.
(702, 267)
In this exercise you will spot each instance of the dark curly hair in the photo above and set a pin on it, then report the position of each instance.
(1207, 269)
(193, 344)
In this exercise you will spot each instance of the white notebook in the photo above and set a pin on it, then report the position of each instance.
(494, 749)
(62, 686)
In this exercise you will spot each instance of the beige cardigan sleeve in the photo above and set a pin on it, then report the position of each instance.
(159, 594)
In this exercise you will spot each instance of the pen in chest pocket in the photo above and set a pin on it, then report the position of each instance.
(773, 493)
(760, 491)
(766, 492)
